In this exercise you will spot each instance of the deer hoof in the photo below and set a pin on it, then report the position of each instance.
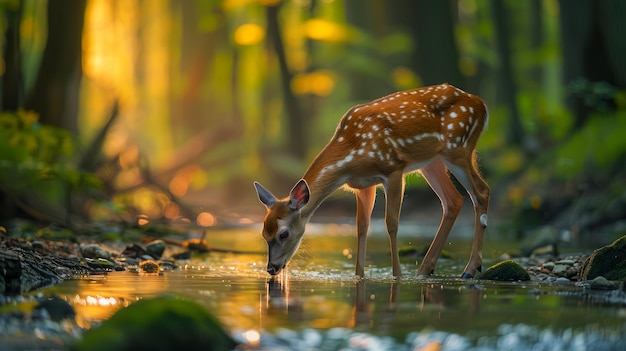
(466, 275)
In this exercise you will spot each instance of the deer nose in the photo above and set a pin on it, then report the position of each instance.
(273, 269)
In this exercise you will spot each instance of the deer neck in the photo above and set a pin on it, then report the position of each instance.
(324, 176)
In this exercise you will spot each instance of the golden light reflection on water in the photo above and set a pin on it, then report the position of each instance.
(99, 297)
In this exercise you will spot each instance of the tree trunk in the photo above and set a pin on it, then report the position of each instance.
(431, 24)
(297, 123)
(370, 18)
(12, 87)
(593, 48)
(506, 82)
(55, 95)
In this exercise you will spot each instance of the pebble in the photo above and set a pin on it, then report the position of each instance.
(566, 262)
(560, 270)
(550, 268)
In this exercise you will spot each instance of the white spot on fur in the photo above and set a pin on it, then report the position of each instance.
(450, 126)
(483, 219)
(453, 114)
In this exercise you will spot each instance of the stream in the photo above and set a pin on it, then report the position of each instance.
(318, 303)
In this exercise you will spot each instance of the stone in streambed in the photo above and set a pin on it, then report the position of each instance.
(601, 283)
(95, 251)
(506, 271)
(608, 261)
(155, 248)
(56, 308)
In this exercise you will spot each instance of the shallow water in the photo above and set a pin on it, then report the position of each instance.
(318, 298)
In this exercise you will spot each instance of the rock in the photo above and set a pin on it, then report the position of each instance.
(566, 262)
(571, 272)
(10, 271)
(601, 283)
(134, 251)
(549, 266)
(162, 323)
(197, 245)
(541, 241)
(506, 271)
(182, 255)
(608, 261)
(155, 248)
(94, 251)
(560, 270)
(149, 266)
(56, 308)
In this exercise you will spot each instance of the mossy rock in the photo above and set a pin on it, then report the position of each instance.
(506, 271)
(162, 323)
(608, 261)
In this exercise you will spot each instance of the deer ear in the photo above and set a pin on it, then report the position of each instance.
(266, 197)
(299, 195)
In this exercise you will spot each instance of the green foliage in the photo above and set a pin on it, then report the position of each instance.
(38, 158)
(599, 96)
(599, 146)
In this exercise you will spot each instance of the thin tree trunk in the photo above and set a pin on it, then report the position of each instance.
(297, 122)
(56, 91)
(12, 87)
(506, 82)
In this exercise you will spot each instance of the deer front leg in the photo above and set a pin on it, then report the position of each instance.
(436, 175)
(364, 205)
(394, 191)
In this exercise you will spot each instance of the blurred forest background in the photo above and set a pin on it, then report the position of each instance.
(167, 110)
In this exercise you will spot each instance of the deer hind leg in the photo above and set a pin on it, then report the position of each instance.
(466, 173)
(364, 205)
(394, 192)
(436, 174)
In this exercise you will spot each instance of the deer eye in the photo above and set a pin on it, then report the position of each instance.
(284, 234)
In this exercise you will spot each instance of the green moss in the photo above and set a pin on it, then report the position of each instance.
(508, 270)
(162, 323)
